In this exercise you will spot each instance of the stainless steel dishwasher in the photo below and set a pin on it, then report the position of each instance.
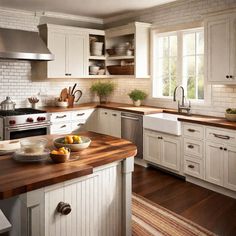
(132, 130)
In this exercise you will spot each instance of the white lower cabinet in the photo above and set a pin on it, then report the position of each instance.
(107, 122)
(214, 163)
(162, 149)
(230, 168)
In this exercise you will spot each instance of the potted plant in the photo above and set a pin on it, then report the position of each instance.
(103, 90)
(137, 96)
(230, 114)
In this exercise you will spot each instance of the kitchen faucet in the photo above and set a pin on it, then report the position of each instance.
(181, 106)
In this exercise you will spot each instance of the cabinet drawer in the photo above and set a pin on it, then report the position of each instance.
(221, 136)
(193, 131)
(82, 114)
(61, 128)
(193, 168)
(77, 126)
(60, 117)
(193, 147)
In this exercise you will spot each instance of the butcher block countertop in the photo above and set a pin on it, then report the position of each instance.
(17, 178)
(209, 120)
(143, 110)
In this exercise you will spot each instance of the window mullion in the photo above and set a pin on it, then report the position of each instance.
(179, 58)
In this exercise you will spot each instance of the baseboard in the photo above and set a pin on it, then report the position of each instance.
(210, 186)
(140, 162)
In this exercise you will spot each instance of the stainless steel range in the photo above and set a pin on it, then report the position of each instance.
(23, 122)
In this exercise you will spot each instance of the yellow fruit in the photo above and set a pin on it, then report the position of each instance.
(77, 139)
(64, 150)
(69, 139)
(60, 152)
(54, 152)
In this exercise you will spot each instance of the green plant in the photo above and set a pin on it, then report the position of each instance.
(137, 94)
(103, 89)
(231, 110)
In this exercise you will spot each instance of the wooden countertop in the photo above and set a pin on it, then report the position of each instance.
(143, 110)
(17, 178)
(209, 120)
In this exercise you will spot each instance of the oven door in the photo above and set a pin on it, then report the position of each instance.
(26, 131)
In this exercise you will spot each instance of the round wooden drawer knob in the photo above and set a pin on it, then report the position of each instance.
(63, 208)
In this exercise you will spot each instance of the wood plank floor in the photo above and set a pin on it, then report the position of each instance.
(209, 209)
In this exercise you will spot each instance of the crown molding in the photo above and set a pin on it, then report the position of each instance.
(13, 10)
(70, 17)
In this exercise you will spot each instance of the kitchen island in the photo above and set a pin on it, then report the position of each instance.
(96, 188)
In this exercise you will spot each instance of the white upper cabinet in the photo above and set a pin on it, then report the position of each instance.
(220, 33)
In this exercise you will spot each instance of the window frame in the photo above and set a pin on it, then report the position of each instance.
(179, 72)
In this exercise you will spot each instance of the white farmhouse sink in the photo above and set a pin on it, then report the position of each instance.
(163, 122)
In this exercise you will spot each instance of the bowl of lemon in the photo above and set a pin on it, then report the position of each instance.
(61, 155)
(73, 142)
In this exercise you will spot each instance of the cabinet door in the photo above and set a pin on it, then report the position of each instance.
(230, 168)
(104, 122)
(214, 163)
(218, 49)
(152, 148)
(171, 153)
(77, 55)
(57, 45)
(115, 124)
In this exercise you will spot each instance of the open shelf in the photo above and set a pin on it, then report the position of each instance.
(120, 57)
(97, 58)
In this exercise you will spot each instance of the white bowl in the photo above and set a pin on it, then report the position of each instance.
(61, 104)
(93, 70)
(59, 142)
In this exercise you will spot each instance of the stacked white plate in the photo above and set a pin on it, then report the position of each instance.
(96, 48)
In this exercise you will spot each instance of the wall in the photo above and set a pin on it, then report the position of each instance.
(15, 75)
(182, 11)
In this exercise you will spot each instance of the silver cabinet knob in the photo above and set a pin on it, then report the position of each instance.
(63, 208)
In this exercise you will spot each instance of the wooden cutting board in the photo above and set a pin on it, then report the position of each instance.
(64, 94)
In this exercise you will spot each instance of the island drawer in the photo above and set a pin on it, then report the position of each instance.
(61, 128)
(193, 131)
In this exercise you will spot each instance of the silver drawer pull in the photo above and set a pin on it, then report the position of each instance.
(80, 124)
(190, 146)
(80, 114)
(191, 130)
(221, 136)
(63, 126)
(130, 118)
(60, 117)
(191, 166)
(114, 114)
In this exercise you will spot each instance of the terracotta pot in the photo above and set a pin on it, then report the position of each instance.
(103, 99)
(137, 103)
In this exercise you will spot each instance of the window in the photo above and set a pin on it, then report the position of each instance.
(179, 60)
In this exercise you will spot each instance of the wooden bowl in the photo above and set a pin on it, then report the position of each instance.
(60, 158)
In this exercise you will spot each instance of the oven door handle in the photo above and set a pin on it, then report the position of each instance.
(19, 128)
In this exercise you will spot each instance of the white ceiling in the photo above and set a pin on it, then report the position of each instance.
(90, 8)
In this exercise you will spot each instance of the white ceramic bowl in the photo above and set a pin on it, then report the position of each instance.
(93, 70)
(61, 104)
(230, 117)
(86, 141)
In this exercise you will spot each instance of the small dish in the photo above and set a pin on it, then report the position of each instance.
(21, 156)
(60, 158)
(33, 146)
(74, 147)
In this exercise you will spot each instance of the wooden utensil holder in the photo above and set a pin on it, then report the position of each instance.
(71, 99)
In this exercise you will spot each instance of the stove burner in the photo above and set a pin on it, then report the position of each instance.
(21, 111)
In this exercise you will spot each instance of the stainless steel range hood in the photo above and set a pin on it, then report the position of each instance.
(23, 45)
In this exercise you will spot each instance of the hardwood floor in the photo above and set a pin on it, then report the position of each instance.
(209, 209)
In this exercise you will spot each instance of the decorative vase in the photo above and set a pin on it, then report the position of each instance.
(137, 103)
